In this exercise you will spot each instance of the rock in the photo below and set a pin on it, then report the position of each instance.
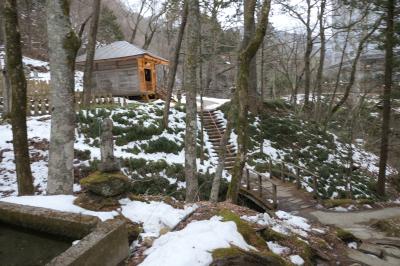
(106, 184)
(239, 257)
(134, 229)
(108, 162)
(371, 249)
(148, 241)
(93, 202)
(164, 230)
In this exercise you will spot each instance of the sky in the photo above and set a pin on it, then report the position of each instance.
(280, 20)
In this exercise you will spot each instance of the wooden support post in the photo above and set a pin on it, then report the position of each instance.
(35, 106)
(248, 178)
(124, 104)
(315, 186)
(275, 196)
(282, 175)
(270, 169)
(259, 185)
(28, 107)
(43, 105)
(298, 178)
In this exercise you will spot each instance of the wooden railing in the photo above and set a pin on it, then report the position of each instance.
(297, 176)
(273, 193)
(260, 179)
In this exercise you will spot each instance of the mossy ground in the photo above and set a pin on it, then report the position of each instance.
(244, 228)
(346, 236)
(391, 227)
(268, 257)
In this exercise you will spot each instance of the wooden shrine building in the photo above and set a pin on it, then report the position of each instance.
(122, 69)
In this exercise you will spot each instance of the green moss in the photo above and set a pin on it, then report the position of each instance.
(99, 177)
(390, 226)
(305, 250)
(332, 203)
(244, 228)
(264, 257)
(226, 252)
(270, 235)
(345, 236)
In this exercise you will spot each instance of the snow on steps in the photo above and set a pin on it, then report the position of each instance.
(215, 128)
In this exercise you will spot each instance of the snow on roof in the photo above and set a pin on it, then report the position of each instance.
(118, 49)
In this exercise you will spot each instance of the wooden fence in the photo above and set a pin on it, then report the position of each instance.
(40, 104)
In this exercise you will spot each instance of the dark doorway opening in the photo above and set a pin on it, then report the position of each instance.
(147, 74)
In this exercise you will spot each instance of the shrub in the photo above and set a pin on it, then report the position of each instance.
(82, 155)
(162, 145)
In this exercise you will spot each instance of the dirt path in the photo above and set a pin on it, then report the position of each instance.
(374, 242)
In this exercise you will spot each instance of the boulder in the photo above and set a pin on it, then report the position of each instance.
(106, 184)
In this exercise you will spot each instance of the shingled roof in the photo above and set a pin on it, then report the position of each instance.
(116, 50)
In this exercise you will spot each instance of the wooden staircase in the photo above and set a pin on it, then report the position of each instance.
(215, 130)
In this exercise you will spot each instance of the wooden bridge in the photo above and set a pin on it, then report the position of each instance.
(264, 191)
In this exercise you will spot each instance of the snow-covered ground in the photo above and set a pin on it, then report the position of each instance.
(154, 215)
(62, 203)
(193, 244)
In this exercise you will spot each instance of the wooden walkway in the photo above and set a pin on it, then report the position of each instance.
(265, 191)
(275, 193)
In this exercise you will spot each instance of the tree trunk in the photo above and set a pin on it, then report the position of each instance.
(6, 84)
(249, 29)
(7, 93)
(63, 46)
(222, 152)
(322, 52)
(246, 53)
(19, 98)
(191, 84)
(389, 61)
(174, 64)
(307, 57)
(91, 47)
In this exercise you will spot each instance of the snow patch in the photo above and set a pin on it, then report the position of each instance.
(193, 244)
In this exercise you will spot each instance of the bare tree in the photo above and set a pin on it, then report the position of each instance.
(19, 99)
(322, 53)
(305, 19)
(174, 64)
(191, 84)
(247, 51)
(360, 48)
(91, 47)
(63, 46)
(153, 24)
(389, 62)
(137, 20)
